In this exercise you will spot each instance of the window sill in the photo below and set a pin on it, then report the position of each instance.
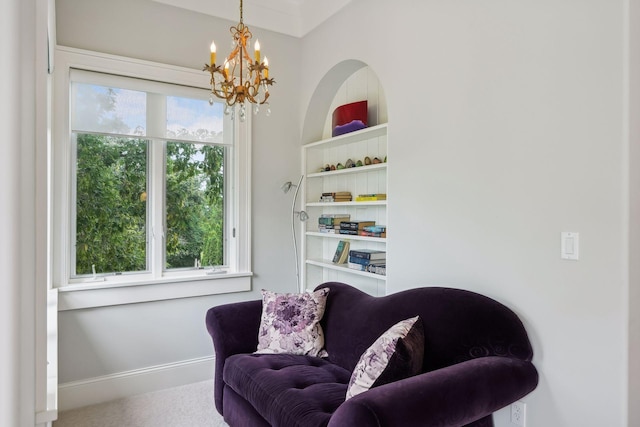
(103, 294)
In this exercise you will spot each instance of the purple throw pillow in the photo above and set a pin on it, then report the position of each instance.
(397, 354)
(290, 323)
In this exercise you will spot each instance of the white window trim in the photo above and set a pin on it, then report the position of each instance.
(130, 289)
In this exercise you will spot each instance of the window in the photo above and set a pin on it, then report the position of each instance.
(157, 181)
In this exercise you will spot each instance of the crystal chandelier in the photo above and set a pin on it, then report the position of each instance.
(240, 78)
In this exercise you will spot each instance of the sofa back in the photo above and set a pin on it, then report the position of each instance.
(459, 325)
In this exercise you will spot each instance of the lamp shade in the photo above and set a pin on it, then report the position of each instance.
(349, 117)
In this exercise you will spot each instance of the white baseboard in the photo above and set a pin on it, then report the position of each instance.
(91, 391)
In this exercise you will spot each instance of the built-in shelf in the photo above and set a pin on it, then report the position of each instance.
(346, 237)
(343, 268)
(318, 248)
(357, 169)
(347, 138)
(340, 204)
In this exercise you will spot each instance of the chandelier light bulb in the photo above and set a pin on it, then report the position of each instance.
(213, 53)
(256, 47)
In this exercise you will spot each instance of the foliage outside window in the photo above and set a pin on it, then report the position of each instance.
(150, 175)
(111, 226)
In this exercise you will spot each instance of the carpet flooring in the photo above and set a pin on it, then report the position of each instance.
(186, 406)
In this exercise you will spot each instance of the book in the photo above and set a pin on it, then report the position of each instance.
(372, 234)
(373, 268)
(355, 225)
(337, 193)
(332, 199)
(355, 266)
(364, 261)
(342, 252)
(328, 196)
(375, 228)
(371, 197)
(337, 196)
(348, 232)
(377, 269)
(330, 230)
(333, 220)
(370, 254)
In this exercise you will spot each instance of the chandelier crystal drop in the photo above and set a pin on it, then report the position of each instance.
(240, 78)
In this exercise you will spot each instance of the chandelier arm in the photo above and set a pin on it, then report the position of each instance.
(245, 55)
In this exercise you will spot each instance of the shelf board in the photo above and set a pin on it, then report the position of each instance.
(347, 237)
(357, 169)
(334, 204)
(344, 269)
(359, 135)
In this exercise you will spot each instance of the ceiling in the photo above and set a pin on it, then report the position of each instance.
(292, 17)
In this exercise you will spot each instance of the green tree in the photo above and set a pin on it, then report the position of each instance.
(194, 186)
(110, 204)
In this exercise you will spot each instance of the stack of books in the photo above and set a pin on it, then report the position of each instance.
(370, 260)
(374, 231)
(330, 223)
(354, 227)
(338, 196)
(374, 197)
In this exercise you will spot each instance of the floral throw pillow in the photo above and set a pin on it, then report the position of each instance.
(397, 354)
(290, 323)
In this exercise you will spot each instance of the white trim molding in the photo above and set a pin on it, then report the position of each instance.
(96, 390)
(78, 297)
(161, 285)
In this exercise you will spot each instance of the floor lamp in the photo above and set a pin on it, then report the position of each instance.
(302, 215)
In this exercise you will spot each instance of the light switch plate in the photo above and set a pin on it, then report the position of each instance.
(569, 245)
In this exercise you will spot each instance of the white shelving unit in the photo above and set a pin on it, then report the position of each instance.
(318, 248)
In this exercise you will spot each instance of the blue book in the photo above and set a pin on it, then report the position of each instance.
(371, 254)
(366, 262)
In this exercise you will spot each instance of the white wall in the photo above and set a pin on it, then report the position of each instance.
(633, 130)
(103, 342)
(506, 127)
(10, 216)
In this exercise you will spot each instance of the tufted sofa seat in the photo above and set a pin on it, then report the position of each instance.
(288, 390)
(477, 360)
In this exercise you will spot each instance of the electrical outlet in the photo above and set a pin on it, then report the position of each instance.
(519, 414)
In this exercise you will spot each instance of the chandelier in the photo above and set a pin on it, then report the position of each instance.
(240, 78)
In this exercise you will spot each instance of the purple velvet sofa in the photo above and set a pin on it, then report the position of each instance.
(477, 360)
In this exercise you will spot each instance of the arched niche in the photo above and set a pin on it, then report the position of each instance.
(348, 81)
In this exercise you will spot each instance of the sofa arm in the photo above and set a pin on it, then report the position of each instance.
(449, 397)
(233, 329)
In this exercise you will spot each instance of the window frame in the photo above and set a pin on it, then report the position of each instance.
(235, 277)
